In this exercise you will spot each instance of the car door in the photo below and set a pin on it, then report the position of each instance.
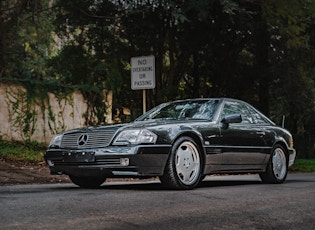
(243, 144)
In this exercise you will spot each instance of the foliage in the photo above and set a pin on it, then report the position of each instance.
(25, 40)
(292, 85)
(259, 51)
(303, 165)
(31, 151)
(22, 113)
(76, 69)
(25, 44)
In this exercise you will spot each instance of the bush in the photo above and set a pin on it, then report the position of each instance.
(29, 152)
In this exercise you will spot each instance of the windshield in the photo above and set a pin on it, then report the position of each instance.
(194, 109)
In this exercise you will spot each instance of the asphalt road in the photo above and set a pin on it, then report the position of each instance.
(229, 202)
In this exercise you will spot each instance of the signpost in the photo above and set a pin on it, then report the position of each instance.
(143, 75)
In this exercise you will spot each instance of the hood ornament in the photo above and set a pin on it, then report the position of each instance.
(83, 139)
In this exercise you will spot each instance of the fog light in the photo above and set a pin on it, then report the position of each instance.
(124, 161)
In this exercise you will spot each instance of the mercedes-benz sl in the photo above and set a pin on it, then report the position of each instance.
(180, 142)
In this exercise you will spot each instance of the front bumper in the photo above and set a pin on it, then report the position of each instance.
(292, 155)
(117, 161)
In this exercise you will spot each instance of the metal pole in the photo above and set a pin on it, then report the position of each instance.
(144, 100)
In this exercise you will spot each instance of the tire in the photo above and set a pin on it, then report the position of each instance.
(277, 169)
(183, 168)
(87, 182)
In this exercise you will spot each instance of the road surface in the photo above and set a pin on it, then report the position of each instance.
(220, 202)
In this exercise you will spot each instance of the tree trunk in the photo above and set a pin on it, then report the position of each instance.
(263, 72)
(196, 77)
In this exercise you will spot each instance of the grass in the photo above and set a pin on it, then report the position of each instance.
(303, 165)
(29, 152)
(33, 152)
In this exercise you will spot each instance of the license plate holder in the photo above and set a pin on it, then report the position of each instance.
(79, 157)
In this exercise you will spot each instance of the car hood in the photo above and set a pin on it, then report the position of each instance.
(159, 122)
(134, 125)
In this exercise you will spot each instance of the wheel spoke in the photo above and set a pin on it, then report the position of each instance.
(187, 163)
(279, 164)
(277, 168)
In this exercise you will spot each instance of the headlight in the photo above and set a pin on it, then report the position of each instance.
(56, 141)
(135, 136)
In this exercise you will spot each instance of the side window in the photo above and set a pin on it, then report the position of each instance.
(238, 108)
(258, 119)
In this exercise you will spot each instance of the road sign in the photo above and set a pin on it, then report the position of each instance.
(143, 72)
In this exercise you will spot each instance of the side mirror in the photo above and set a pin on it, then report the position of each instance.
(232, 118)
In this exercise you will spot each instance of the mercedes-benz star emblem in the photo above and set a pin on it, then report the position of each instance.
(83, 139)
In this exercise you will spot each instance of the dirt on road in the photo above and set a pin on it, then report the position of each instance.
(14, 173)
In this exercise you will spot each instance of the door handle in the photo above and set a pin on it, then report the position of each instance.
(261, 133)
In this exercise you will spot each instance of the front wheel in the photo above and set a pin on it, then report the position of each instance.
(183, 168)
(277, 168)
(87, 182)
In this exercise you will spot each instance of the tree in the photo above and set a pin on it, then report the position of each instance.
(243, 49)
(25, 35)
(290, 81)
(25, 44)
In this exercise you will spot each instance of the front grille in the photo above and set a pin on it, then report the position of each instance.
(94, 139)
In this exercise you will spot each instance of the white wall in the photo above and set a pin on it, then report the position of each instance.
(68, 113)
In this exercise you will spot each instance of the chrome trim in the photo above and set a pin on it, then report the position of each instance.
(125, 173)
(292, 158)
(81, 140)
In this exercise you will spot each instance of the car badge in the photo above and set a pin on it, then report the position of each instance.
(83, 139)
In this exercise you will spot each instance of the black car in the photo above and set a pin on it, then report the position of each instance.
(180, 142)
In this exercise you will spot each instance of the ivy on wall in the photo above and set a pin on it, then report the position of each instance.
(32, 113)
(22, 112)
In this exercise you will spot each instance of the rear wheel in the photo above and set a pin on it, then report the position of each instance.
(87, 182)
(277, 168)
(183, 169)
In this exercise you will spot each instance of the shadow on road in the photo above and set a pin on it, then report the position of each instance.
(157, 186)
(218, 183)
(154, 184)
(209, 182)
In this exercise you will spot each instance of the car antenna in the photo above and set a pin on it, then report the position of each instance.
(283, 120)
